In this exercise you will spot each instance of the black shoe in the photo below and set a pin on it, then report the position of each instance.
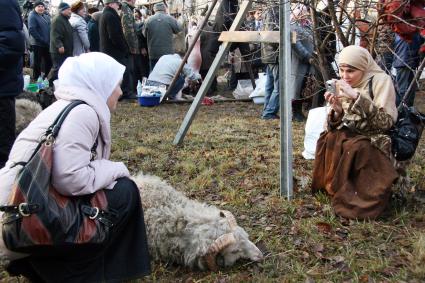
(271, 117)
(128, 97)
(298, 117)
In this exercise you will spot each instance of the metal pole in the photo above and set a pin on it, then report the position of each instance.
(222, 51)
(285, 93)
(189, 50)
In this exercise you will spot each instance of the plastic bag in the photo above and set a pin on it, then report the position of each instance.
(315, 125)
(260, 86)
(243, 89)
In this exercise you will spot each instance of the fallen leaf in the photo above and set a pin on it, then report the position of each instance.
(364, 278)
(341, 233)
(324, 227)
(318, 248)
(262, 247)
(337, 259)
(305, 255)
(268, 228)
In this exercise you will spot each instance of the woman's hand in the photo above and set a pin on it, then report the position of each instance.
(346, 90)
(334, 102)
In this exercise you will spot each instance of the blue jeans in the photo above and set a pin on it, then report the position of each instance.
(177, 87)
(404, 77)
(271, 99)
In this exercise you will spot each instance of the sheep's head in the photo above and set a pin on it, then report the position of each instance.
(230, 247)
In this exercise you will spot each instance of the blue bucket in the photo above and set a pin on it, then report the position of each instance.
(150, 101)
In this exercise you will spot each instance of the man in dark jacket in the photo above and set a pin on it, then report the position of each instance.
(12, 48)
(93, 26)
(61, 43)
(39, 29)
(113, 43)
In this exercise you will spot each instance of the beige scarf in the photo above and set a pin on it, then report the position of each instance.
(383, 89)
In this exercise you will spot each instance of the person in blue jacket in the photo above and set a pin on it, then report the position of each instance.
(39, 29)
(12, 49)
(406, 60)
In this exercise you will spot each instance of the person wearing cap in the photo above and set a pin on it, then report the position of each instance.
(80, 29)
(113, 43)
(159, 30)
(39, 30)
(61, 39)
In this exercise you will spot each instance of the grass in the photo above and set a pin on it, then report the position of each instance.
(230, 158)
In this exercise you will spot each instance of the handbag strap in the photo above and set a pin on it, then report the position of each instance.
(57, 124)
(53, 130)
(370, 84)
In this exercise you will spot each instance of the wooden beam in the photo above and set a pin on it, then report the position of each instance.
(223, 50)
(250, 36)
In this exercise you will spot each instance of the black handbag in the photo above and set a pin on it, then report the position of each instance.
(38, 219)
(407, 131)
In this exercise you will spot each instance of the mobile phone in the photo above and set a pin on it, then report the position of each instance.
(331, 86)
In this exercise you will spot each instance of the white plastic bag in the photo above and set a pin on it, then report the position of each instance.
(315, 125)
(243, 89)
(26, 81)
(260, 86)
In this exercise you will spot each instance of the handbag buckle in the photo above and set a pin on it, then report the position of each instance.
(21, 208)
(96, 209)
(49, 140)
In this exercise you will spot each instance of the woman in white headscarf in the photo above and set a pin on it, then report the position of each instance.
(94, 78)
(353, 163)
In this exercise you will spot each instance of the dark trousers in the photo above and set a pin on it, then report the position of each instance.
(123, 257)
(213, 86)
(404, 77)
(41, 54)
(7, 127)
(57, 60)
(152, 63)
(141, 68)
(127, 81)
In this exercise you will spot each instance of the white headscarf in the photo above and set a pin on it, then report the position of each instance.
(91, 77)
(95, 71)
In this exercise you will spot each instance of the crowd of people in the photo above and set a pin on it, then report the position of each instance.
(128, 34)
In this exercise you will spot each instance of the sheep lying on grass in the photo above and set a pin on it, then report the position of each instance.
(190, 233)
(29, 105)
(26, 111)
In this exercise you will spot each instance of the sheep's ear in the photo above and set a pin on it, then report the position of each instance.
(222, 214)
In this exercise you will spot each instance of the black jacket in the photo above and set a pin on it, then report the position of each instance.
(93, 27)
(112, 40)
(39, 29)
(12, 48)
(61, 35)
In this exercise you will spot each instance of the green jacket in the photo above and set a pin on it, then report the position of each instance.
(128, 27)
(159, 30)
(61, 35)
